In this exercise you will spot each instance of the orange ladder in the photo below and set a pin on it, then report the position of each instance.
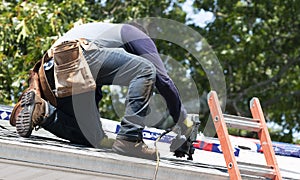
(257, 124)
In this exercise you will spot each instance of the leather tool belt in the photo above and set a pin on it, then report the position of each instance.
(71, 71)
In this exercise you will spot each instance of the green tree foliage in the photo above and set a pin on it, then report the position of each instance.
(27, 31)
(257, 44)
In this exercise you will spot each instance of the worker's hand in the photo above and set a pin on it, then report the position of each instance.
(184, 128)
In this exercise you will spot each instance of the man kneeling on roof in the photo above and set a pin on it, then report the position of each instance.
(71, 75)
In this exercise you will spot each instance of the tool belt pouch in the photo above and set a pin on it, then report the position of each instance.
(71, 72)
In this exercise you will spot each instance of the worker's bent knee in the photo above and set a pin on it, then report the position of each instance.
(148, 70)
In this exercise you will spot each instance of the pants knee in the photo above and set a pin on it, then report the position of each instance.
(149, 70)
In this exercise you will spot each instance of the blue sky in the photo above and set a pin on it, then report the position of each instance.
(198, 17)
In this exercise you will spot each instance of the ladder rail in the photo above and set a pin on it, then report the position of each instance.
(223, 135)
(264, 137)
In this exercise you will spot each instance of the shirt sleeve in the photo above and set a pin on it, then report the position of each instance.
(137, 42)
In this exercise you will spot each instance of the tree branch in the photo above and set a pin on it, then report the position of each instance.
(277, 77)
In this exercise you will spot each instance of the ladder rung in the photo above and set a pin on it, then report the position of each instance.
(240, 122)
(256, 170)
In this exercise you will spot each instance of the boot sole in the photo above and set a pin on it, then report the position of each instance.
(24, 123)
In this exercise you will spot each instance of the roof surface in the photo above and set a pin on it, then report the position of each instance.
(44, 156)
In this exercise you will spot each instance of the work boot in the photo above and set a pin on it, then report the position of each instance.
(107, 142)
(34, 112)
(134, 149)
